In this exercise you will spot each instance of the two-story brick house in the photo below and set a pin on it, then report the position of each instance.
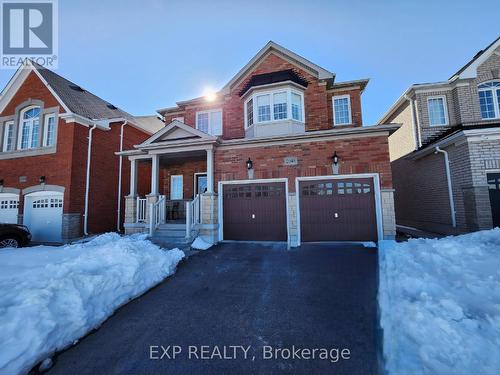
(278, 154)
(446, 155)
(59, 174)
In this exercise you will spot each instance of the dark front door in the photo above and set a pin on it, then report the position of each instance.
(255, 212)
(494, 188)
(337, 210)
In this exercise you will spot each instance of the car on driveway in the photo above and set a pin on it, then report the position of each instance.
(14, 235)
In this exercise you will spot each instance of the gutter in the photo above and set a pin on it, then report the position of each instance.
(414, 123)
(87, 182)
(450, 189)
(120, 167)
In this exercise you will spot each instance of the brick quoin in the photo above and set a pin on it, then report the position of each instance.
(361, 155)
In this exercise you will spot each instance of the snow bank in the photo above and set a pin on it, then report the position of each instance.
(440, 305)
(52, 296)
(200, 244)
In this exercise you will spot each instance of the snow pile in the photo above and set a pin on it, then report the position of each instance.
(200, 244)
(52, 296)
(440, 305)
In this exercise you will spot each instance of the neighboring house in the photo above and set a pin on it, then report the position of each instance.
(278, 154)
(449, 141)
(46, 180)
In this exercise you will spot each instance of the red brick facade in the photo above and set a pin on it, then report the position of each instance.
(317, 102)
(361, 155)
(67, 166)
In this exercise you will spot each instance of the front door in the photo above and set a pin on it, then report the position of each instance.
(494, 188)
(200, 184)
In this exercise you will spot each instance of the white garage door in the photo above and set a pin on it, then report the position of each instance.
(43, 215)
(9, 204)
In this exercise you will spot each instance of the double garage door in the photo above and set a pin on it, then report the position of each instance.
(329, 210)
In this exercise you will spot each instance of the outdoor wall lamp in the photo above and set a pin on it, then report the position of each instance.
(42, 179)
(335, 165)
(249, 164)
(335, 158)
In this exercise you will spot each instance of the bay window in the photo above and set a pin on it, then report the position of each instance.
(210, 121)
(272, 106)
(489, 100)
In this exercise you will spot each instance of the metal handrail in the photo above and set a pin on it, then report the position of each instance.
(156, 214)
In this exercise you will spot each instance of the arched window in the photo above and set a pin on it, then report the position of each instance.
(489, 99)
(29, 128)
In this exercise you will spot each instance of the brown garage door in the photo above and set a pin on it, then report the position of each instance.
(338, 210)
(255, 212)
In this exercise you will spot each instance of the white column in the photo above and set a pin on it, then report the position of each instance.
(155, 173)
(133, 177)
(210, 170)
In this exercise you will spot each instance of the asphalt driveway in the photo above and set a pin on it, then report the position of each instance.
(249, 295)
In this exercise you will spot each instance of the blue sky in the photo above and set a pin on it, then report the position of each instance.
(148, 54)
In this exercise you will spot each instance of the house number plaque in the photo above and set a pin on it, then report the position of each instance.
(290, 160)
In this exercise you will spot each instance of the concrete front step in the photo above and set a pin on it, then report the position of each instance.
(172, 235)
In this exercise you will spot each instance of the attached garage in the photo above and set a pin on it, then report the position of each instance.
(9, 204)
(337, 209)
(254, 211)
(43, 212)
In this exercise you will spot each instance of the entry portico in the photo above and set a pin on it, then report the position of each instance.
(181, 160)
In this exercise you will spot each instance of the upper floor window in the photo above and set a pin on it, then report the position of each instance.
(209, 122)
(8, 136)
(489, 99)
(49, 130)
(438, 112)
(29, 128)
(271, 106)
(342, 110)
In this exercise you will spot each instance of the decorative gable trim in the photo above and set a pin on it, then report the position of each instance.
(177, 131)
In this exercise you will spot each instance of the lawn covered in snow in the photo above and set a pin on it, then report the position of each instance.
(440, 305)
(52, 296)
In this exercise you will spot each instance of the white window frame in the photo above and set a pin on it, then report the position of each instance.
(46, 130)
(348, 97)
(8, 124)
(271, 93)
(210, 111)
(445, 108)
(172, 178)
(496, 105)
(21, 125)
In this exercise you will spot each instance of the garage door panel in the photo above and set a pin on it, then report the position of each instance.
(254, 212)
(9, 205)
(337, 210)
(43, 216)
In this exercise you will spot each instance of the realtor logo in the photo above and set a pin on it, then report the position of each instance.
(29, 31)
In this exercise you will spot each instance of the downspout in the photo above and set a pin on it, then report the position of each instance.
(450, 190)
(87, 182)
(120, 165)
(414, 122)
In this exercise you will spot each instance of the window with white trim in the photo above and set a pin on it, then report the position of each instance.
(8, 136)
(209, 122)
(49, 137)
(29, 128)
(489, 100)
(438, 111)
(273, 106)
(342, 110)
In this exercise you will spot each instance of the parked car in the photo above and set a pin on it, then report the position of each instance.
(14, 235)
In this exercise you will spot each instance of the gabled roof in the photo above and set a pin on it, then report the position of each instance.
(74, 99)
(271, 46)
(469, 69)
(177, 131)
